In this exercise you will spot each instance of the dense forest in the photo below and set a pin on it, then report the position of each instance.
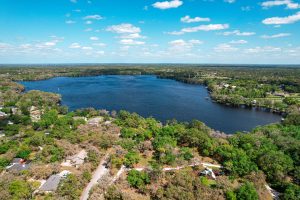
(144, 158)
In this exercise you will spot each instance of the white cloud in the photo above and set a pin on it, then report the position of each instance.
(188, 19)
(99, 44)
(94, 38)
(132, 36)
(288, 3)
(167, 4)
(238, 33)
(75, 46)
(100, 52)
(182, 45)
(238, 42)
(124, 28)
(88, 22)
(266, 49)
(229, 1)
(93, 17)
(50, 44)
(175, 33)
(70, 22)
(225, 48)
(279, 35)
(131, 42)
(209, 27)
(282, 20)
(87, 48)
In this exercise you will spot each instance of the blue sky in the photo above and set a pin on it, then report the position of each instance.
(150, 31)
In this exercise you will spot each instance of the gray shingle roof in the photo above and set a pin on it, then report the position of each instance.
(51, 184)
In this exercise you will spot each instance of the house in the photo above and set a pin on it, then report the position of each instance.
(51, 184)
(208, 172)
(95, 121)
(75, 160)
(53, 181)
(2, 115)
(14, 110)
(18, 164)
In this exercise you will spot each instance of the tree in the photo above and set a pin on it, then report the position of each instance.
(292, 192)
(69, 187)
(186, 153)
(247, 192)
(138, 179)
(19, 189)
(131, 158)
(275, 164)
(235, 160)
(230, 195)
(23, 154)
(113, 193)
(3, 163)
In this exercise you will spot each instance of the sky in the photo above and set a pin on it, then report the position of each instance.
(150, 31)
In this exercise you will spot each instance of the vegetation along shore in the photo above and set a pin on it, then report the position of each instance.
(47, 152)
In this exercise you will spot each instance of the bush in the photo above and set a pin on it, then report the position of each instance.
(3, 163)
(131, 158)
(247, 192)
(19, 189)
(23, 154)
(230, 195)
(138, 179)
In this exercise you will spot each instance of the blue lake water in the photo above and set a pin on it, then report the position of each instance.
(150, 96)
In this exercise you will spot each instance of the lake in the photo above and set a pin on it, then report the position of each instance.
(150, 96)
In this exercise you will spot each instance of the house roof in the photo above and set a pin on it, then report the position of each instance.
(18, 166)
(2, 114)
(51, 184)
(78, 158)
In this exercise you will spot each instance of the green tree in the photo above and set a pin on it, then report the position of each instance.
(131, 158)
(138, 179)
(247, 192)
(19, 189)
(69, 187)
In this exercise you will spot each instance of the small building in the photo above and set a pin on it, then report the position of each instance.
(75, 160)
(53, 181)
(14, 110)
(18, 164)
(208, 172)
(2, 115)
(95, 121)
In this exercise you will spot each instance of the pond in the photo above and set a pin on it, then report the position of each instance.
(150, 96)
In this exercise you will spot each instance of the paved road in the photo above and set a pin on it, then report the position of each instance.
(99, 172)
